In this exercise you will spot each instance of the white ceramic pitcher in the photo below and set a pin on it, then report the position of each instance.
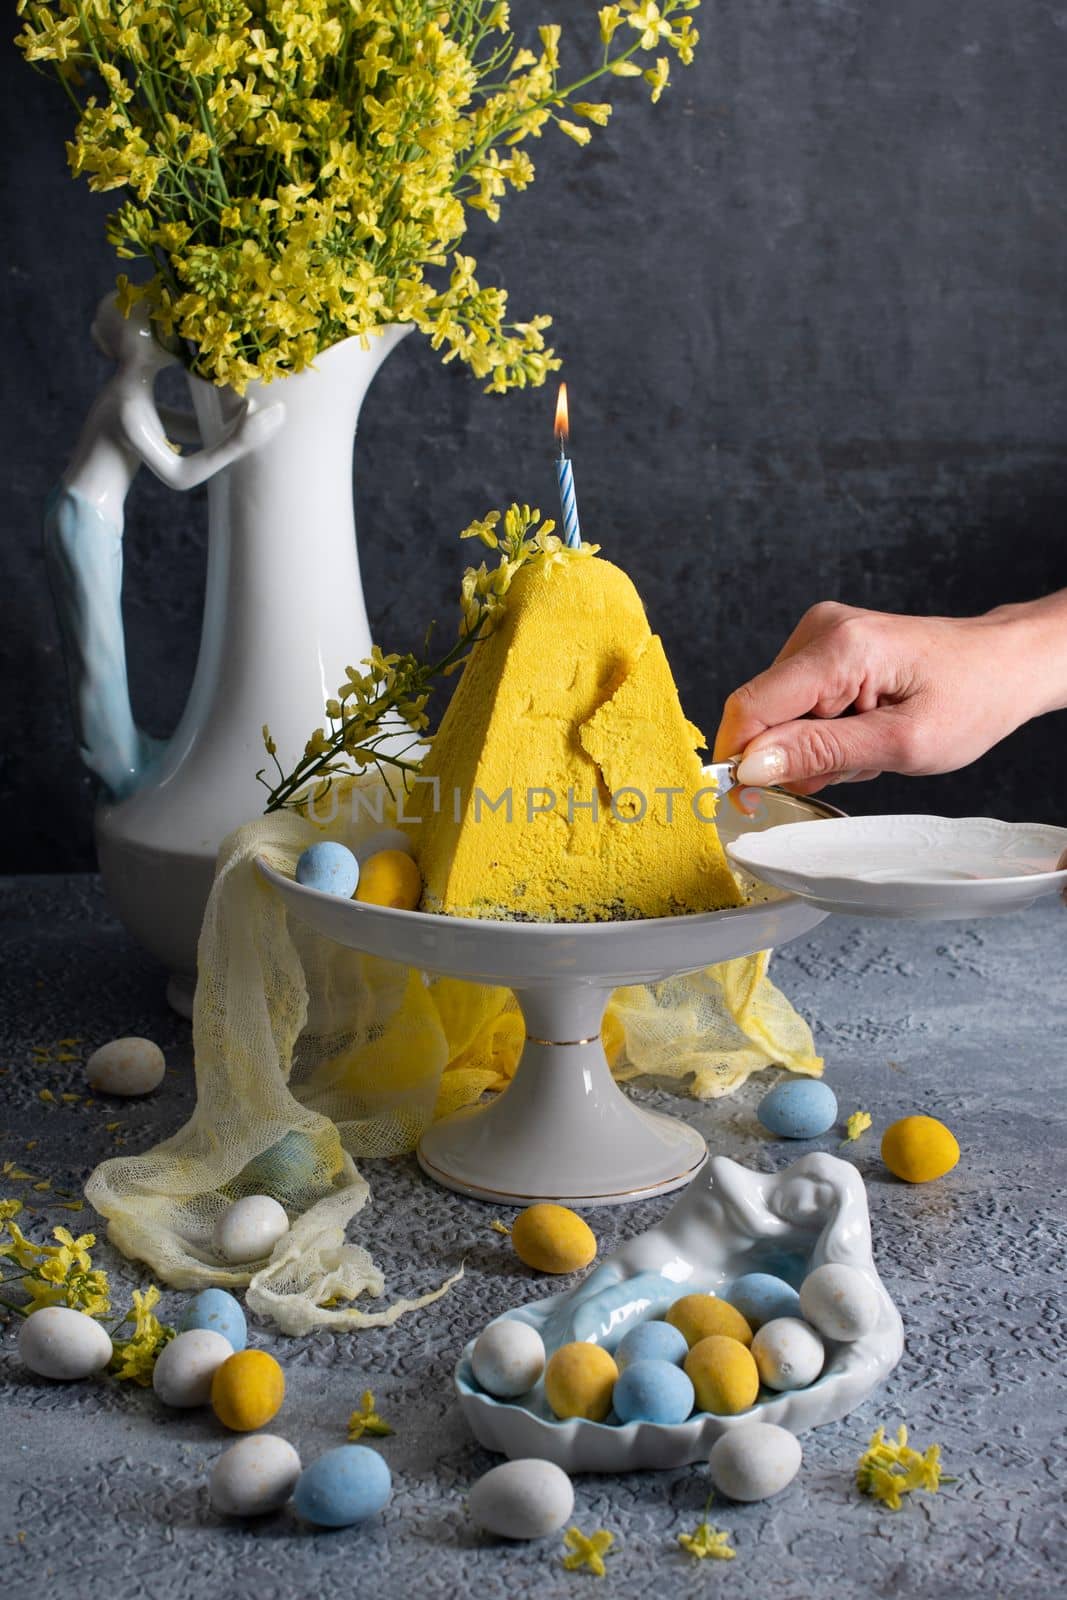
(284, 615)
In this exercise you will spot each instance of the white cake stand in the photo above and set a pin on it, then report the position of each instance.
(563, 1130)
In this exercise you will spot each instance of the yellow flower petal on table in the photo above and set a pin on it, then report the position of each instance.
(367, 1421)
(890, 1469)
(587, 1551)
(135, 1358)
(856, 1125)
(708, 1541)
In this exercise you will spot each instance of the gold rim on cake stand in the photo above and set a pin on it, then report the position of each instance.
(564, 1130)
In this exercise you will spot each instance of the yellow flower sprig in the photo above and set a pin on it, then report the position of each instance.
(60, 1274)
(890, 1469)
(296, 172)
(135, 1358)
(587, 1551)
(366, 1421)
(372, 706)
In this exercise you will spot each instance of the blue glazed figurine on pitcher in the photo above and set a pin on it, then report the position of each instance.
(284, 612)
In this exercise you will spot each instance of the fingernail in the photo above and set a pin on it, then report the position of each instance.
(762, 766)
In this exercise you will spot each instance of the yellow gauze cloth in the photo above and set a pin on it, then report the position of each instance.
(309, 1055)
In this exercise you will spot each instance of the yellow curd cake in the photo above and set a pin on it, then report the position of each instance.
(564, 782)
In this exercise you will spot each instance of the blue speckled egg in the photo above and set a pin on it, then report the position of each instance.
(653, 1391)
(760, 1297)
(329, 867)
(218, 1312)
(344, 1486)
(291, 1171)
(800, 1108)
(651, 1341)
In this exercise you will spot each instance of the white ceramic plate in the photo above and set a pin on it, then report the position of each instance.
(930, 869)
(729, 1221)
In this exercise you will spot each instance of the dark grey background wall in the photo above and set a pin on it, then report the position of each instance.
(814, 314)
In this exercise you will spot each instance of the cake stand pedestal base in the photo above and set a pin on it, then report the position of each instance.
(563, 1130)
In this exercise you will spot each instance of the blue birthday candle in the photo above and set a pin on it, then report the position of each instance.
(572, 533)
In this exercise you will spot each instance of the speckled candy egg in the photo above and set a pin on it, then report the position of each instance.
(250, 1228)
(247, 1390)
(788, 1353)
(699, 1316)
(293, 1170)
(58, 1342)
(579, 1380)
(800, 1108)
(651, 1341)
(761, 1297)
(653, 1391)
(218, 1312)
(724, 1376)
(553, 1239)
(508, 1358)
(754, 1461)
(525, 1499)
(253, 1476)
(839, 1301)
(344, 1486)
(919, 1149)
(128, 1066)
(329, 867)
(390, 878)
(184, 1368)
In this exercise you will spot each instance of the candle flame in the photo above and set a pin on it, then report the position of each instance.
(562, 427)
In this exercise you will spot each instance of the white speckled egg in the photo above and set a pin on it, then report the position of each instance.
(839, 1301)
(526, 1499)
(184, 1368)
(58, 1342)
(253, 1476)
(126, 1066)
(754, 1461)
(250, 1228)
(788, 1353)
(508, 1358)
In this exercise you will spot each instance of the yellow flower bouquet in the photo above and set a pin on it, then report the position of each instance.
(301, 171)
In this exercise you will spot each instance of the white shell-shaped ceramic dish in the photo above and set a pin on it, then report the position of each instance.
(929, 869)
(728, 1222)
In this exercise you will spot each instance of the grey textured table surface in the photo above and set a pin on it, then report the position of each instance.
(102, 1494)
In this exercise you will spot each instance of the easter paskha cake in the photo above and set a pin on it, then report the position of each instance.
(564, 782)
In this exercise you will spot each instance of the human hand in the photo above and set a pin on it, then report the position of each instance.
(926, 695)
(256, 427)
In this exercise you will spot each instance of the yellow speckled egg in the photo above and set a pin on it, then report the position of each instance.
(918, 1149)
(699, 1316)
(390, 878)
(553, 1239)
(579, 1380)
(724, 1375)
(247, 1390)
